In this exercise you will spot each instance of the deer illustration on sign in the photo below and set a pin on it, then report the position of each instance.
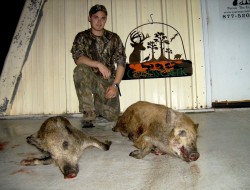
(135, 56)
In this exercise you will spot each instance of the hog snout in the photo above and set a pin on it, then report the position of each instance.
(194, 156)
(71, 175)
(189, 156)
(70, 172)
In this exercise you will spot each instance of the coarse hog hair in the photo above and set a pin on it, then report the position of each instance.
(158, 129)
(62, 144)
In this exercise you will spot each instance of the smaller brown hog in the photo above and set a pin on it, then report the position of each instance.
(158, 129)
(62, 144)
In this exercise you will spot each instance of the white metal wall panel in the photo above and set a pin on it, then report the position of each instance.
(47, 85)
(152, 90)
(122, 14)
(42, 89)
(75, 21)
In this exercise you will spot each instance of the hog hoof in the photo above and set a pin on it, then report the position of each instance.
(136, 154)
(107, 143)
(29, 139)
(28, 162)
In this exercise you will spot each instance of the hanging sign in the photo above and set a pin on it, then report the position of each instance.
(156, 54)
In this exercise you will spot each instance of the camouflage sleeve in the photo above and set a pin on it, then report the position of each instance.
(79, 48)
(119, 55)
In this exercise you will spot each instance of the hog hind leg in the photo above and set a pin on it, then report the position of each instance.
(98, 144)
(144, 146)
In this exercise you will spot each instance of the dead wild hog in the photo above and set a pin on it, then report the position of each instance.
(158, 129)
(61, 144)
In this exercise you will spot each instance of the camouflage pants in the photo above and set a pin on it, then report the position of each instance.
(90, 90)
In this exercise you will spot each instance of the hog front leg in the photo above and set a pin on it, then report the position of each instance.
(140, 153)
(46, 160)
(144, 146)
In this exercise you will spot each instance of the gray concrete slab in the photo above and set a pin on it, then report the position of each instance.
(223, 145)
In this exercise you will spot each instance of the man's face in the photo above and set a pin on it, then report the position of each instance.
(98, 20)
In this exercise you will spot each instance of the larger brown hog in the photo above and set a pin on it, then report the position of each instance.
(158, 129)
(61, 144)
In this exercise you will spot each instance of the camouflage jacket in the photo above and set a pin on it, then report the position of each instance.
(108, 49)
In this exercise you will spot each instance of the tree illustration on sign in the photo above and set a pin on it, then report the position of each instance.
(161, 38)
(168, 51)
(152, 45)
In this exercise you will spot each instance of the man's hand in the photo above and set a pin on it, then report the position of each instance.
(104, 70)
(106, 73)
(111, 92)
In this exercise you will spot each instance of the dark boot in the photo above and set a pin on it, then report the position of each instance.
(88, 117)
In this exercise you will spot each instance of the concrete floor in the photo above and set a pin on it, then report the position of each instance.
(223, 144)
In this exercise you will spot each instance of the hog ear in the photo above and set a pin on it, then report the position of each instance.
(171, 117)
(196, 125)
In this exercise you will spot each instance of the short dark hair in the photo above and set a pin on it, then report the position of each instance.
(97, 8)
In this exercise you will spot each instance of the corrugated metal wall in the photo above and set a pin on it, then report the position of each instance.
(47, 85)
